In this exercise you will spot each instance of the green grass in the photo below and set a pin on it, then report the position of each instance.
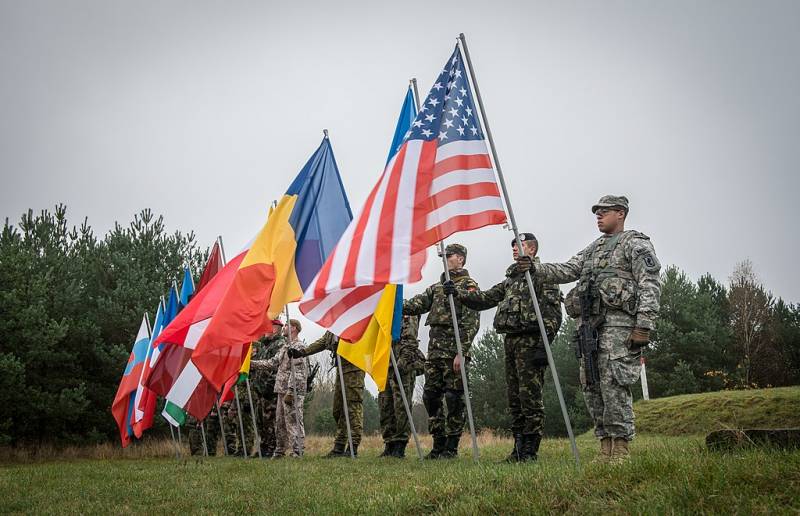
(668, 473)
(703, 413)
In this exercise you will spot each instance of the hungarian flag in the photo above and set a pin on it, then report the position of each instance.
(282, 260)
(122, 407)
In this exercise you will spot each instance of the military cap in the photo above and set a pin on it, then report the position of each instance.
(611, 201)
(277, 322)
(456, 249)
(525, 237)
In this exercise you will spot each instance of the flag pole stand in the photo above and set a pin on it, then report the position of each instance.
(462, 39)
(291, 371)
(256, 437)
(345, 408)
(221, 428)
(241, 423)
(460, 354)
(203, 433)
(405, 402)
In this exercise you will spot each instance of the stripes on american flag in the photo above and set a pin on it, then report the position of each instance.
(441, 181)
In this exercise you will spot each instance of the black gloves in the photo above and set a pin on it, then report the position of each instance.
(295, 353)
(524, 263)
(449, 288)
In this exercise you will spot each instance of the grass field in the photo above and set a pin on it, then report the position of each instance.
(668, 474)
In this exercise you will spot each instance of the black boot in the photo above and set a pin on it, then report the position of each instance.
(451, 447)
(387, 450)
(399, 449)
(439, 442)
(515, 454)
(347, 451)
(337, 451)
(530, 447)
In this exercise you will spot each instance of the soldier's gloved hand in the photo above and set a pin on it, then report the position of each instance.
(449, 288)
(524, 263)
(295, 353)
(640, 337)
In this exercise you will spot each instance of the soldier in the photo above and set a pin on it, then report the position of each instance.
(354, 389)
(620, 274)
(263, 382)
(443, 385)
(526, 359)
(410, 362)
(291, 391)
(211, 426)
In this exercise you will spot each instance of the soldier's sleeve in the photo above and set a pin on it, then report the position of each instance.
(321, 344)
(646, 272)
(563, 272)
(419, 304)
(482, 300)
(271, 363)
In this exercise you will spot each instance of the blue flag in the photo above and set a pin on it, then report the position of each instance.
(187, 288)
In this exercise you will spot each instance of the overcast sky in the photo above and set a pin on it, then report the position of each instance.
(205, 111)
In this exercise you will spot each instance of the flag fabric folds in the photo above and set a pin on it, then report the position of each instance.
(172, 357)
(124, 400)
(441, 181)
(282, 260)
(145, 399)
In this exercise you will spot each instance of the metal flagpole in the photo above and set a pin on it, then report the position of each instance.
(405, 402)
(172, 433)
(344, 400)
(460, 354)
(241, 423)
(521, 251)
(221, 428)
(256, 437)
(203, 433)
(291, 371)
(643, 376)
(179, 435)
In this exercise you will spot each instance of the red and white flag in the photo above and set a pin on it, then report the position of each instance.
(441, 181)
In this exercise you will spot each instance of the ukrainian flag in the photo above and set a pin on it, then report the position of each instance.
(284, 258)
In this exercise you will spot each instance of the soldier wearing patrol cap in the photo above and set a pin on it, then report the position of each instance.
(619, 274)
(525, 356)
(443, 386)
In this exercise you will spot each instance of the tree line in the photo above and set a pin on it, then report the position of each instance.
(71, 303)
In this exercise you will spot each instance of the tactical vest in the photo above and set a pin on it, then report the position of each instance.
(613, 290)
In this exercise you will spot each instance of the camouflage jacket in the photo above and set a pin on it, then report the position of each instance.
(406, 349)
(515, 313)
(329, 342)
(434, 302)
(284, 366)
(622, 273)
(263, 378)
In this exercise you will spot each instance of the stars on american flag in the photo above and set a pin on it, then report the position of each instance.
(448, 112)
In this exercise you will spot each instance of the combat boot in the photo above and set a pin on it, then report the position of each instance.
(530, 447)
(514, 456)
(399, 450)
(439, 442)
(337, 451)
(451, 447)
(619, 451)
(355, 451)
(387, 450)
(605, 451)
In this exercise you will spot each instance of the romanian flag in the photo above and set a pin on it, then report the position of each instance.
(123, 405)
(282, 261)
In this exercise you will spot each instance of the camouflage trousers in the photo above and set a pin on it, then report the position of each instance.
(267, 406)
(610, 402)
(289, 431)
(354, 390)
(233, 430)
(394, 420)
(211, 427)
(443, 391)
(524, 379)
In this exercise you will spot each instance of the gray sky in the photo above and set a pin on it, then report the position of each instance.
(205, 111)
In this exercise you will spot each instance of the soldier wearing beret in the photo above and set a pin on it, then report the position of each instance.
(443, 386)
(525, 356)
(619, 272)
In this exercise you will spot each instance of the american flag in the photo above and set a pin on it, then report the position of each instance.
(440, 181)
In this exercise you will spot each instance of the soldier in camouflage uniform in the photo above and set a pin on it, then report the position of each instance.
(354, 391)
(263, 383)
(525, 356)
(291, 391)
(233, 431)
(620, 271)
(211, 423)
(443, 384)
(410, 362)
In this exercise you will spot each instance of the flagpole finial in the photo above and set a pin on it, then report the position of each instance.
(325, 132)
